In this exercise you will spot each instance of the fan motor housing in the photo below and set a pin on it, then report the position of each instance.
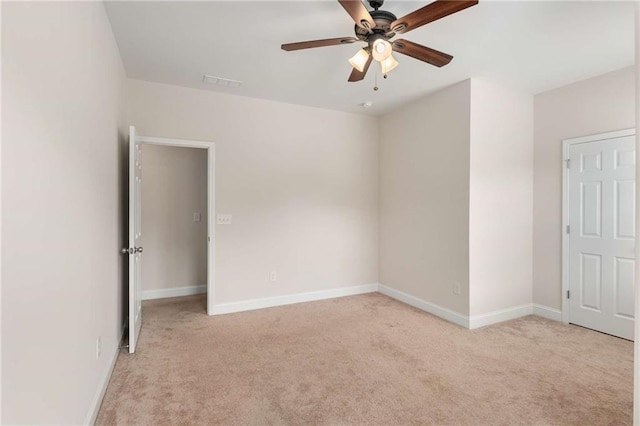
(382, 19)
(376, 4)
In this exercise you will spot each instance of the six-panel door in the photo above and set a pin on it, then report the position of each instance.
(602, 235)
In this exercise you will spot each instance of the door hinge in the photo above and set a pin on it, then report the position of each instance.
(568, 161)
(568, 294)
(568, 229)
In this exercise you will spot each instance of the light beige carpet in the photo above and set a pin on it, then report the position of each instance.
(364, 360)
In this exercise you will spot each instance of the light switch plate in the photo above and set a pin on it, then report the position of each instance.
(197, 217)
(223, 219)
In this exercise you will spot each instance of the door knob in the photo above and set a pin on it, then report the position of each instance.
(131, 250)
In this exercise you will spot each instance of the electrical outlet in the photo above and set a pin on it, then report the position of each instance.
(456, 287)
(223, 219)
(273, 276)
(98, 348)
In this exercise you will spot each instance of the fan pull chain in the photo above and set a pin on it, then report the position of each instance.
(375, 88)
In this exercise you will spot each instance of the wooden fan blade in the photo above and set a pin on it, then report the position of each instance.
(357, 75)
(423, 53)
(318, 43)
(431, 12)
(358, 12)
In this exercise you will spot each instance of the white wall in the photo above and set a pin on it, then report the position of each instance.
(636, 346)
(174, 187)
(456, 196)
(424, 198)
(597, 105)
(62, 174)
(300, 182)
(501, 198)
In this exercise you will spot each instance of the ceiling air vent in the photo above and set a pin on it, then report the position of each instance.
(221, 81)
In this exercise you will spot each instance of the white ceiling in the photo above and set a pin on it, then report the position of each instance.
(530, 46)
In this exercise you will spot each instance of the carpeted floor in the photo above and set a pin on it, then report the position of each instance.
(364, 360)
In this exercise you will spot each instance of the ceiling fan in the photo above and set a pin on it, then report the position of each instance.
(378, 27)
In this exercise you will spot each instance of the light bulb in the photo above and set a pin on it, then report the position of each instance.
(381, 49)
(388, 64)
(359, 60)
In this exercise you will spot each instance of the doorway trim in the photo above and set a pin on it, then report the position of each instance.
(211, 203)
(566, 146)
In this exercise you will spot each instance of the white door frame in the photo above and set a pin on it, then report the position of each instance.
(211, 203)
(566, 146)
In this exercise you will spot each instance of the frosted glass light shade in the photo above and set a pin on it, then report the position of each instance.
(359, 60)
(388, 64)
(381, 49)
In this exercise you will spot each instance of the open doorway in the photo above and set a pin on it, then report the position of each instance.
(176, 243)
(174, 218)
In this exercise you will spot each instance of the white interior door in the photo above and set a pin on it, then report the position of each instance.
(135, 239)
(602, 235)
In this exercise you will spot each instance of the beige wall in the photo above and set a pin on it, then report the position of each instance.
(62, 174)
(424, 198)
(300, 182)
(501, 198)
(174, 187)
(456, 196)
(597, 105)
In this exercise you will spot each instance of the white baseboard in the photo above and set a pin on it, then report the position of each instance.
(495, 317)
(547, 312)
(173, 292)
(436, 310)
(269, 302)
(96, 402)
(465, 321)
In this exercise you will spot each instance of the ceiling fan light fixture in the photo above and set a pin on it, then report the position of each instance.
(388, 64)
(381, 49)
(377, 27)
(359, 60)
